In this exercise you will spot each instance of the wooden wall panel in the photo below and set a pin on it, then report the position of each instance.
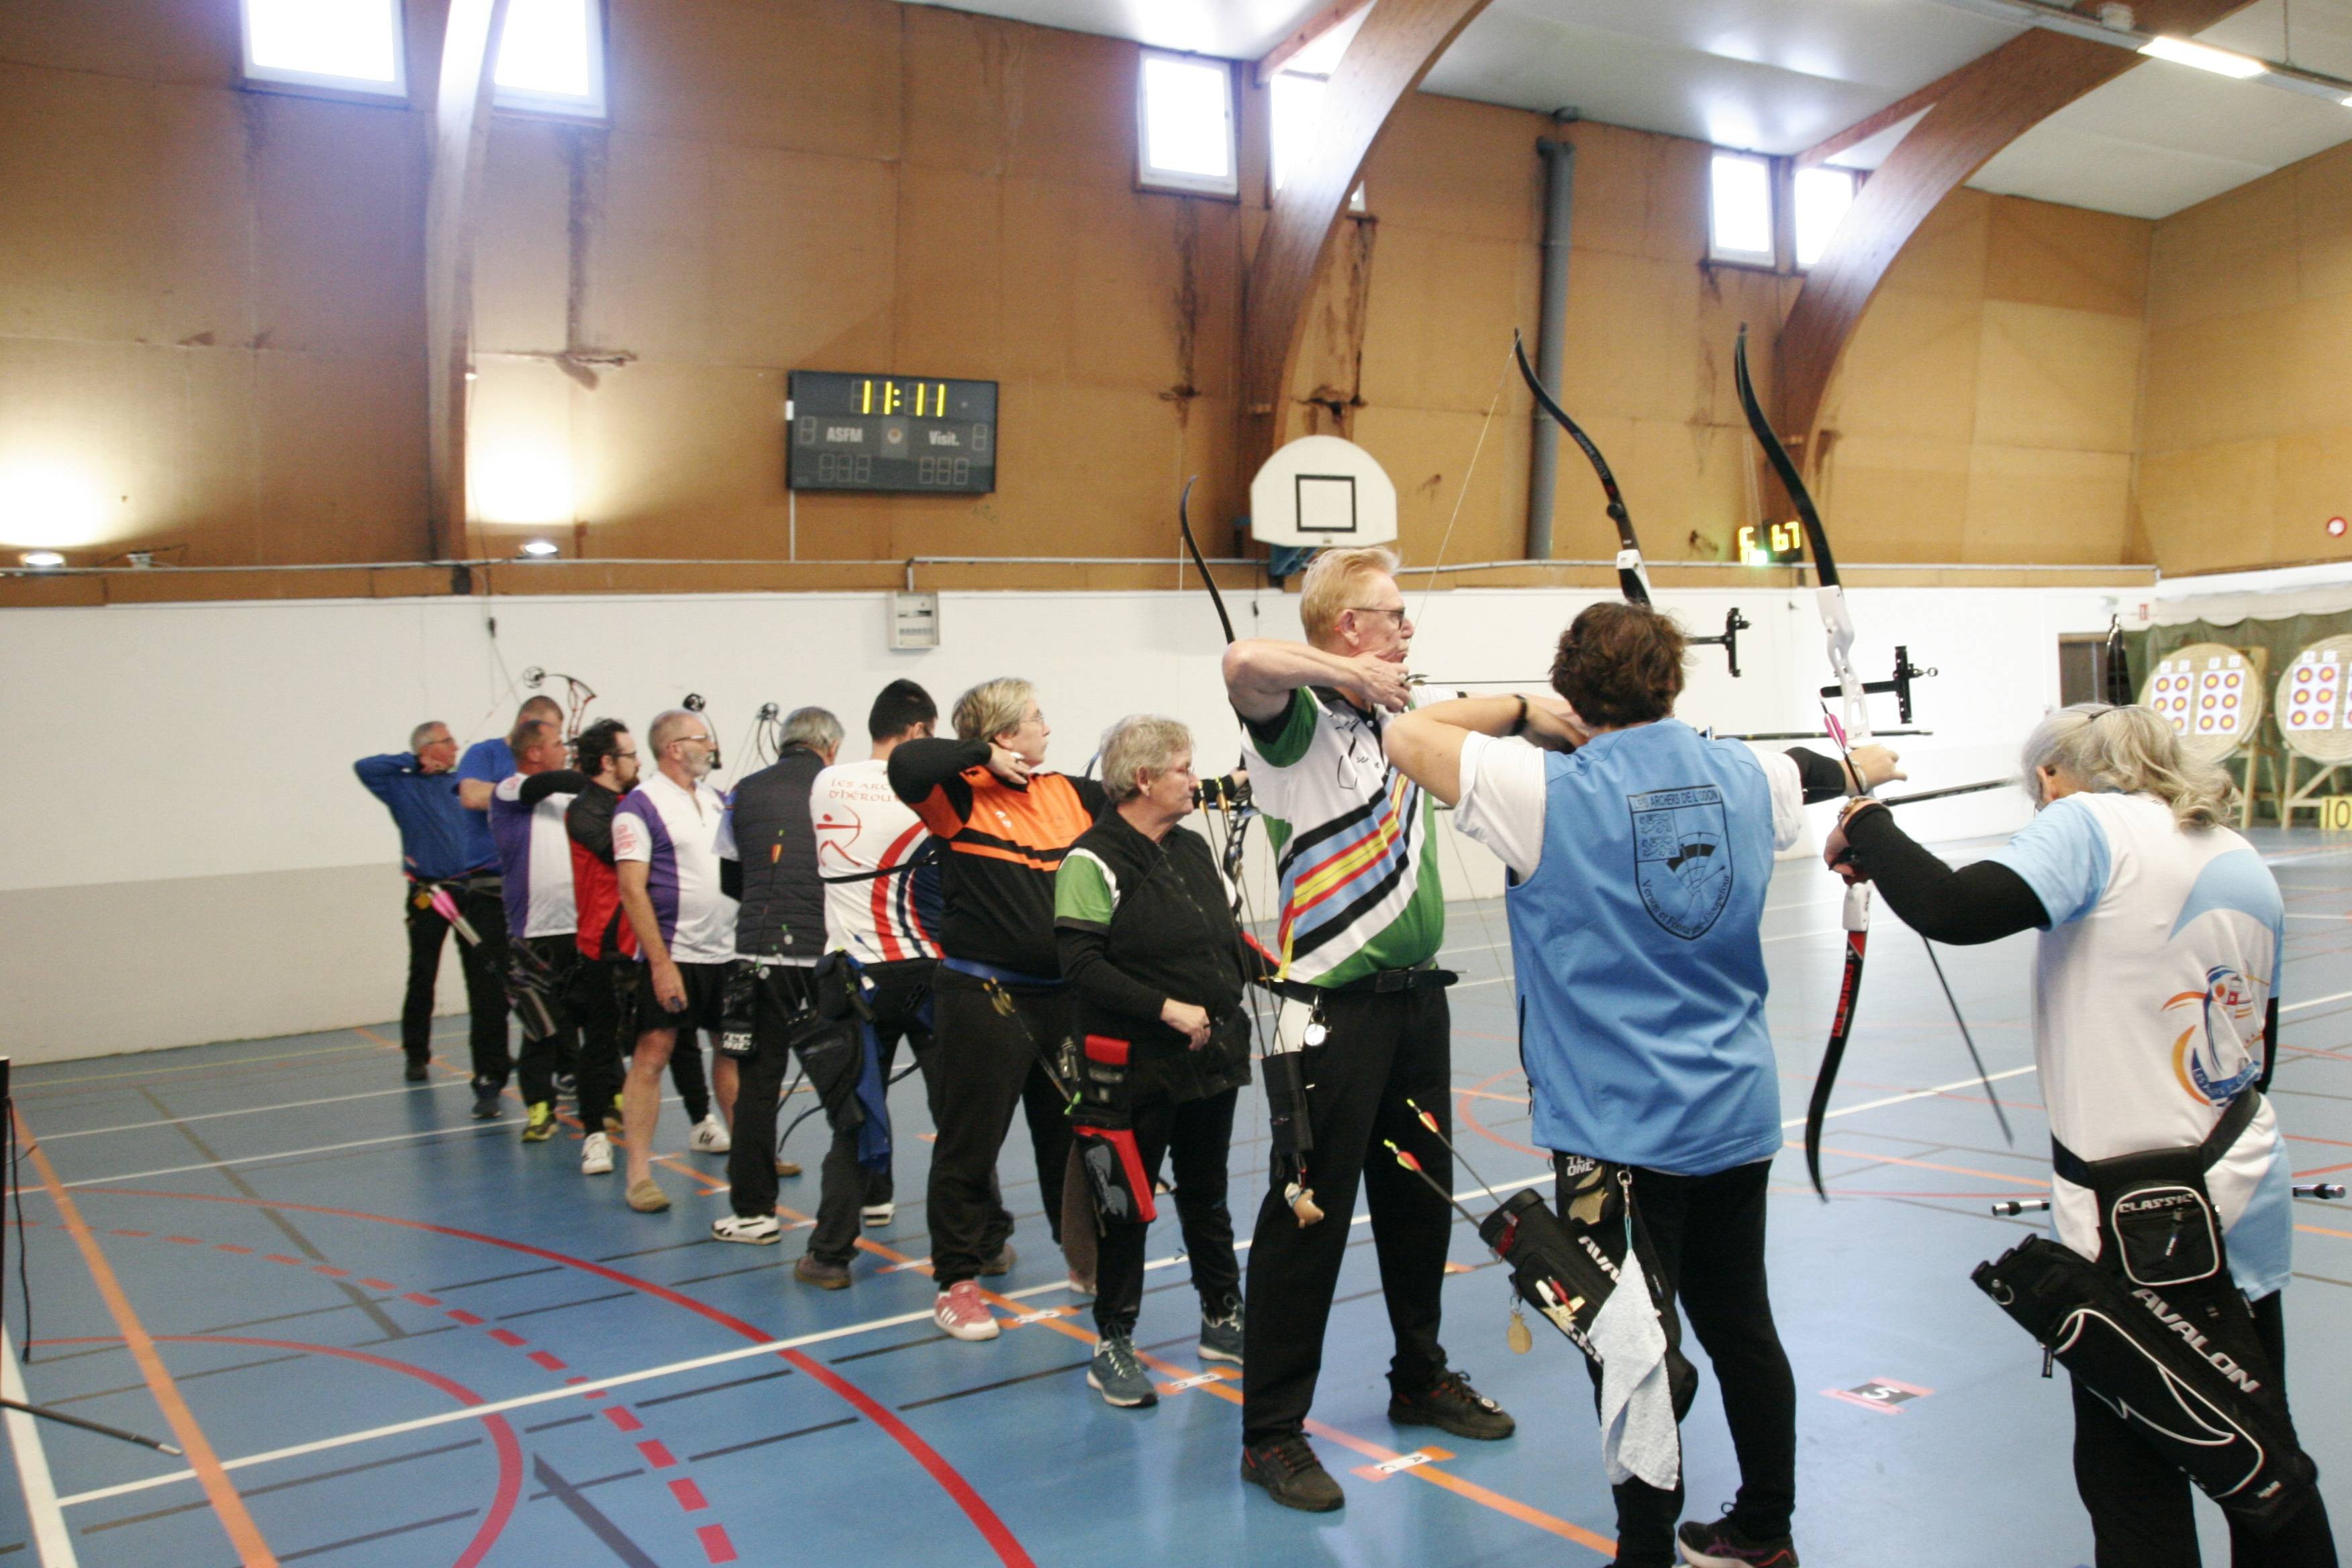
(816, 76)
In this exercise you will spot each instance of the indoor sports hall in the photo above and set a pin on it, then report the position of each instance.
(1596, 756)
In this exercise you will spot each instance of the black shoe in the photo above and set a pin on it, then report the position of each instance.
(485, 1104)
(417, 1070)
(1450, 1404)
(1292, 1476)
(1724, 1545)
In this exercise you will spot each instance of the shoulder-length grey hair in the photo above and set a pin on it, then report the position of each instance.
(814, 728)
(2128, 750)
(1137, 744)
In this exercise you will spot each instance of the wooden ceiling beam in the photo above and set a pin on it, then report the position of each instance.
(1387, 59)
(1978, 109)
(1323, 20)
(453, 219)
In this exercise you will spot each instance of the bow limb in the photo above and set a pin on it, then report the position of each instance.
(1633, 576)
(1192, 547)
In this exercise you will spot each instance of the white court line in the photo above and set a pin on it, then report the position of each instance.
(50, 1536)
(574, 1390)
(2318, 1002)
(2293, 916)
(253, 1110)
(1915, 1094)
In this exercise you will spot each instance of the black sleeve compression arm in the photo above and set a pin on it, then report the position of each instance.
(1978, 903)
(917, 767)
(555, 781)
(1823, 777)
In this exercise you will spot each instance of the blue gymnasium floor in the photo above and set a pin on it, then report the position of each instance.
(331, 1269)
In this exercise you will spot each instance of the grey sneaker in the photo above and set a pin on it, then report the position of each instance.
(1118, 1375)
(826, 1276)
(1220, 1335)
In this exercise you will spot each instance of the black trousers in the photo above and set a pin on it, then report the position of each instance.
(486, 979)
(1196, 1136)
(1380, 1050)
(782, 991)
(988, 1065)
(1708, 1232)
(2141, 1511)
(605, 992)
(900, 997)
(539, 1061)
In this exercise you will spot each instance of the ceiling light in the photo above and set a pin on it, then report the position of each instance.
(42, 560)
(2335, 525)
(540, 549)
(2204, 57)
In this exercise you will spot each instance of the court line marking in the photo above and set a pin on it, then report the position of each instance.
(1917, 1094)
(244, 1534)
(251, 1110)
(2318, 1002)
(51, 1539)
(619, 1380)
(34, 1085)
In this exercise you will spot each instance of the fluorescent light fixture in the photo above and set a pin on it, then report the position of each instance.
(551, 57)
(2204, 57)
(1821, 195)
(540, 549)
(1184, 122)
(1739, 209)
(42, 560)
(353, 45)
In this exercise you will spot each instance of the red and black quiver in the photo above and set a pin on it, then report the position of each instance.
(1103, 1132)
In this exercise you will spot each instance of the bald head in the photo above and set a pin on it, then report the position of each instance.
(676, 724)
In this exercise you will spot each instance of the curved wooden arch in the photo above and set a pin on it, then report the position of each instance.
(453, 217)
(1387, 59)
(1982, 107)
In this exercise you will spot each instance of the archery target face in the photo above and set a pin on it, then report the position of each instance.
(2209, 695)
(2312, 700)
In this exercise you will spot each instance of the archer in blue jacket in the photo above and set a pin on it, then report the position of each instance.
(440, 847)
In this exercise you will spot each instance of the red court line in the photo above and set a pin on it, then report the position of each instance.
(993, 1529)
(509, 1490)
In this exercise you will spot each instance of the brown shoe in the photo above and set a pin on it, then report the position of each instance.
(1001, 1263)
(788, 1168)
(647, 1196)
(814, 1270)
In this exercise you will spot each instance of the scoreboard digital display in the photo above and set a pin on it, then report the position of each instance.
(1771, 544)
(902, 434)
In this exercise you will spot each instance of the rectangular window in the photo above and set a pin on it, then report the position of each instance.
(1184, 121)
(350, 46)
(1821, 195)
(551, 57)
(1739, 210)
(1295, 109)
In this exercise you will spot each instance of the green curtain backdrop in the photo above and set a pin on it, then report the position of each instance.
(2282, 641)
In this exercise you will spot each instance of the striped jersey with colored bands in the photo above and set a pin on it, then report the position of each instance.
(1360, 890)
(882, 905)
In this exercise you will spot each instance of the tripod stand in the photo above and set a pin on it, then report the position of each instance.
(16, 1182)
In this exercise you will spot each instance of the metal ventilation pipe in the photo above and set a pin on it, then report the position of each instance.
(1552, 339)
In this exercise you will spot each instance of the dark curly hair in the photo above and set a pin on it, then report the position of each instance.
(597, 742)
(1620, 664)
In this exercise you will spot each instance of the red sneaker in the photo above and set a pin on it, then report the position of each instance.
(963, 1314)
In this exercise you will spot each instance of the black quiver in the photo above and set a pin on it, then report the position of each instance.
(2158, 1331)
(828, 1037)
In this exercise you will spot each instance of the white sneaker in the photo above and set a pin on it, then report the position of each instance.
(711, 1137)
(760, 1229)
(879, 1214)
(596, 1156)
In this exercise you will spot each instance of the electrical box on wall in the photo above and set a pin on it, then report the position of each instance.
(914, 622)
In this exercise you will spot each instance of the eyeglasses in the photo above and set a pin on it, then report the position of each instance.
(1380, 610)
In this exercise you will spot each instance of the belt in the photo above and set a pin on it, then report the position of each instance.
(1002, 977)
(1380, 981)
(2207, 1154)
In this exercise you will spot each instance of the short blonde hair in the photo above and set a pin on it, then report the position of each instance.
(2128, 750)
(1331, 582)
(993, 707)
(1137, 744)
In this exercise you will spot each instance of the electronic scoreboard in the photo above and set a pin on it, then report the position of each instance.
(914, 435)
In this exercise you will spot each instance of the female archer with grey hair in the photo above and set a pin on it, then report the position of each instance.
(2155, 1015)
(1144, 923)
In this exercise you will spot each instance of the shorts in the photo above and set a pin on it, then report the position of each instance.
(705, 985)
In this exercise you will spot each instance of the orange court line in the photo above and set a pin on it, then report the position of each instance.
(252, 1550)
(1509, 1506)
(1922, 1165)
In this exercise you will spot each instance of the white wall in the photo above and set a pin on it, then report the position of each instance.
(186, 855)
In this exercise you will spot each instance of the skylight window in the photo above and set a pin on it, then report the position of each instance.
(551, 57)
(1184, 117)
(1295, 109)
(1822, 195)
(1739, 210)
(353, 46)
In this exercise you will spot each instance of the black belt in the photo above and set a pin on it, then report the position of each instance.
(1379, 981)
(2206, 1155)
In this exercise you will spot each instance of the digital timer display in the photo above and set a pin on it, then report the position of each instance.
(1771, 544)
(904, 434)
